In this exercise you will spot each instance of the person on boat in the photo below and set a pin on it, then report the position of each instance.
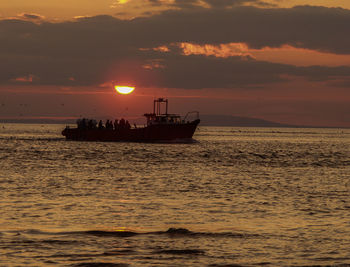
(78, 123)
(108, 124)
(127, 125)
(122, 123)
(84, 123)
(81, 123)
(116, 124)
(91, 124)
(94, 124)
(100, 124)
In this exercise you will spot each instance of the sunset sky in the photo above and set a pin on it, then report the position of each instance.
(282, 60)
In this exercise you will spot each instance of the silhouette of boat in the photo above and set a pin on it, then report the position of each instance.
(160, 127)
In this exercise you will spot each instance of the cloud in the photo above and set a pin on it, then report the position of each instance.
(93, 50)
(31, 16)
(26, 79)
(231, 3)
(317, 28)
(185, 4)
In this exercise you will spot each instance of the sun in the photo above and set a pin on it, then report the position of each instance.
(124, 90)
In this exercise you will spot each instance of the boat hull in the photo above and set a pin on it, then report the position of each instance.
(151, 133)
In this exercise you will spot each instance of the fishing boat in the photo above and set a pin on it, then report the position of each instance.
(160, 127)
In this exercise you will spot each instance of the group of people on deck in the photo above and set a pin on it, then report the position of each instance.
(109, 125)
(116, 125)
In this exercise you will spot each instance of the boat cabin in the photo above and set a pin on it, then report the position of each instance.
(157, 117)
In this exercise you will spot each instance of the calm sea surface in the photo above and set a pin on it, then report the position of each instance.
(237, 196)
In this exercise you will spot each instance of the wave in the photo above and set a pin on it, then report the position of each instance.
(180, 251)
(32, 138)
(100, 264)
(170, 232)
(110, 233)
(173, 232)
(227, 265)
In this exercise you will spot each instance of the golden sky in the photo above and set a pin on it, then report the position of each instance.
(327, 3)
(270, 61)
(68, 9)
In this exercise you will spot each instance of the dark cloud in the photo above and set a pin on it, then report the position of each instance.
(186, 3)
(235, 72)
(214, 3)
(29, 16)
(319, 28)
(90, 51)
(342, 82)
(231, 3)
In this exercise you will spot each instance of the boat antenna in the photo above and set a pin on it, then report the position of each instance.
(157, 103)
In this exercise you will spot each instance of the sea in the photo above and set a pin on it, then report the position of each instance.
(231, 197)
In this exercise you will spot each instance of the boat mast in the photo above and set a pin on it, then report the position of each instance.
(157, 106)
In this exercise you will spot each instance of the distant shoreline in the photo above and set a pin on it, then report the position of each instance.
(206, 120)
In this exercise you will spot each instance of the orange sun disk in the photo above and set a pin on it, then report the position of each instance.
(124, 90)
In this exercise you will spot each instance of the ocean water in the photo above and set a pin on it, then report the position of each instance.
(234, 197)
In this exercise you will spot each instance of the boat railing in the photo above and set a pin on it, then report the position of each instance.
(192, 112)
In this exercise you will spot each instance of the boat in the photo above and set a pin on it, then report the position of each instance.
(160, 127)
